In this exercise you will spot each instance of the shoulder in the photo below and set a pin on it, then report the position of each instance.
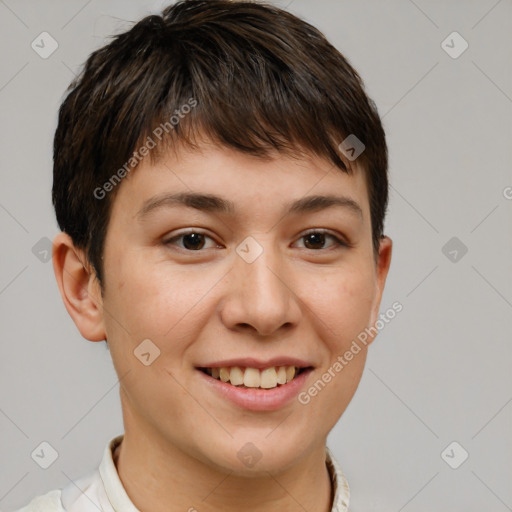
(49, 502)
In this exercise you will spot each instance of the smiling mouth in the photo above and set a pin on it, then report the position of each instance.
(266, 378)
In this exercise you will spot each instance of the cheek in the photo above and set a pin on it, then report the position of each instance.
(340, 305)
(157, 300)
(341, 310)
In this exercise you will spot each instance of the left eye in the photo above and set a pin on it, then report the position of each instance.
(195, 240)
(315, 238)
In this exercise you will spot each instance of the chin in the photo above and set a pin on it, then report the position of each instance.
(255, 453)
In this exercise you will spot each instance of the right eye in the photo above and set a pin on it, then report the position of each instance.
(192, 240)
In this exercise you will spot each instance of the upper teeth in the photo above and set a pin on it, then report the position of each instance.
(253, 377)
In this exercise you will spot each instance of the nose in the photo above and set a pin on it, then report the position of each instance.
(260, 296)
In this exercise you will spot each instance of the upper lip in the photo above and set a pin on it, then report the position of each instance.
(250, 362)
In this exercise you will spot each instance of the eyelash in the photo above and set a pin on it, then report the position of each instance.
(338, 242)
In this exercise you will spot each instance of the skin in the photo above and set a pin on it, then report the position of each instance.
(305, 300)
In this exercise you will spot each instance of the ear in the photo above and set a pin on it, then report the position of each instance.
(79, 288)
(382, 267)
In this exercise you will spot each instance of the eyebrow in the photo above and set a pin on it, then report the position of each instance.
(216, 204)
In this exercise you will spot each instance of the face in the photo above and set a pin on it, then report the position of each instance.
(255, 283)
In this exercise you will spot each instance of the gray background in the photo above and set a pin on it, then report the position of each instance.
(439, 372)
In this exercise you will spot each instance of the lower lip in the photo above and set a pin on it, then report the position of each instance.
(256, 399)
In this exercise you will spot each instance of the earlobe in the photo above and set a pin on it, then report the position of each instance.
(79, 288)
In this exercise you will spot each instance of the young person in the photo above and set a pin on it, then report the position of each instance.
(220, 180)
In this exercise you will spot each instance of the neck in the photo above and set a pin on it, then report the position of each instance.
(159, 477)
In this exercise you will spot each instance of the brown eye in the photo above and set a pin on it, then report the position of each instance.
(191, 241)
(315, 240)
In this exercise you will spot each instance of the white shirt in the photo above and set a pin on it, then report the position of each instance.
(102, 489)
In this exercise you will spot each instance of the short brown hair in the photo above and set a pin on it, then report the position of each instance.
(261, 78)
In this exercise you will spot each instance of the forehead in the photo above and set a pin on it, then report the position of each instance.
(245, 183)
